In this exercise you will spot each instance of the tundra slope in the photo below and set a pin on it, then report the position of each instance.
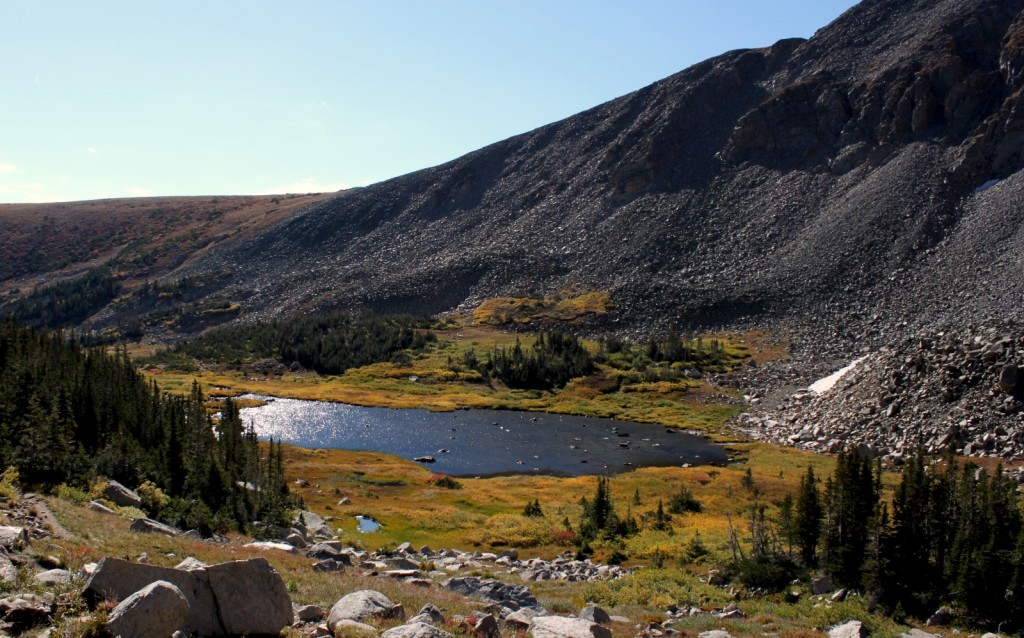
(829, 182)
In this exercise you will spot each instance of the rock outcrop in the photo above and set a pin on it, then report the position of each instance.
(239, 597)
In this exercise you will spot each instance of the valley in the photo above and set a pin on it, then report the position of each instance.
(687, 258)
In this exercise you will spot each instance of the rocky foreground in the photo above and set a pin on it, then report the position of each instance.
(955, 387)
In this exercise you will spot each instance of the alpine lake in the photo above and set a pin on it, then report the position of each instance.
(482, 442)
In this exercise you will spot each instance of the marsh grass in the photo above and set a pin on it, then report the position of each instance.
(435, 380)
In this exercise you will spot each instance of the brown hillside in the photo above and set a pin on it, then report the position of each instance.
(148, 236)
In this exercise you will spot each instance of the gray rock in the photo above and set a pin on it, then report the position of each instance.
(821, 585)
(428, 614)
(364, 604)
(851, 629)
(120, 495)
(53, 577)
(237, 597)
(401, 563)
(13, 538)
(512, 596)
(593, 613)
(96, 506)
(149, 526)
(309, 613)
(8, 572)
(296, 541)
(26, 610)
(416, 630)
(329, 565)
(918, 633)
(559, 627)
(714, 633)
(940, 618)
(520, 619)
(190, 564)
(158, 609)
(1008, 377)
(285, 547)
(487, 627)
(327, 550)
(251, 596)
(346, 626)
(315, 526)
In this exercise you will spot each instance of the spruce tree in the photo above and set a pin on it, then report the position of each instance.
(808, 519)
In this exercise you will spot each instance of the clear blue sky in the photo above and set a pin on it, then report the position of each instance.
(115, 99)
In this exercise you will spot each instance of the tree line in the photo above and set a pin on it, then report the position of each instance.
(66, 303)
(949, 535)
(552, 361)
(70, 414)
(328, 343)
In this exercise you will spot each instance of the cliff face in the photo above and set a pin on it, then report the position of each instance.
(832, 179)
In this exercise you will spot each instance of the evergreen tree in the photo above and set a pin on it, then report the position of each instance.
(850, 501)
(808, 519)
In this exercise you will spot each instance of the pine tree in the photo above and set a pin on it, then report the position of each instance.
(808, 519)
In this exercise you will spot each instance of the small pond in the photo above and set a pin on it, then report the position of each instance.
(482, 442)
(366, 524)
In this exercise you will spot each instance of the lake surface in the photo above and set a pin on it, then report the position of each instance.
(483, 442)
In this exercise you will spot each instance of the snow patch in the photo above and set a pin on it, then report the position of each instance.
(821, 386)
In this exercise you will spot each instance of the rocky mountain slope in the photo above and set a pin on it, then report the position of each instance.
(956, 387)
(854, 184)
(862, 178)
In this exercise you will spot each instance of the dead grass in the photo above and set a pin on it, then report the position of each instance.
(434, 380)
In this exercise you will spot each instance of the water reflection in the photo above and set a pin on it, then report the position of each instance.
(367, 524)
(483, 442)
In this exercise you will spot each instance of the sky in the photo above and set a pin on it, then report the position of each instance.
(124, 99)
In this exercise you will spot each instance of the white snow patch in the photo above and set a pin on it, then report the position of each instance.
(821, 386)
(987, 185)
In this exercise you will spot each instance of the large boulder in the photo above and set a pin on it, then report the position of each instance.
(251, 596)
(416, 630)
(158, 609)
(240, 597)
(559, 627)
(120, 495)
(361, 605)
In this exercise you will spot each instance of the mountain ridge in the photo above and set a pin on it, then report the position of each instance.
(824, 181)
